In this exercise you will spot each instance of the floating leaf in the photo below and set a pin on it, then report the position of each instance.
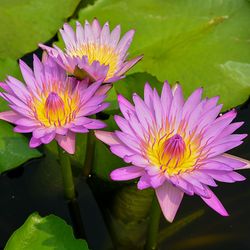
(195, 42)
(25, 23)
(14, 149)
(134, 83)
(9, 67)
(44, 233)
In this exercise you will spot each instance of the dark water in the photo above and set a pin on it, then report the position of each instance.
(37, 186)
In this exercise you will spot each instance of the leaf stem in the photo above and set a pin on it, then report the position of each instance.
(90, 152)
(68, 182)
(153, 226)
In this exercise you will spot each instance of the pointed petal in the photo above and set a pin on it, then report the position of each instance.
(235, 162)
(214, 203)
(34, 142)
(67, 142)
(107, 137)
(144, 182)
(169, 198)
(126, 173)
(9, 116)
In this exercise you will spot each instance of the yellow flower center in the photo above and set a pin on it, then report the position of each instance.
(104, 54)
(55, 108)
(173, 154)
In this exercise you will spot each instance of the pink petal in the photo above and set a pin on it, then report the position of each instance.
(144, 182)
(125, 106)
(34, 142)
(129, 64)
(121, 150)
(214, 203)
(169, 198)
(95, 124)
(193, 100)
(107, 137)
(125, 42)
(126, 173)
(166, 98)
(115, 36)
(48, 138)
(234, 161)
(157, 180)
(9, 116)
(96, 28)
(67, 142)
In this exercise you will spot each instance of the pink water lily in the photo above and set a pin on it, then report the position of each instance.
(93, 51)
(52, 105)
(175, 146)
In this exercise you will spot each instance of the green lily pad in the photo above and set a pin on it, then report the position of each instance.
(25, 23)
(44, 233)
(195, 42)
(9, 67)
(14, 149)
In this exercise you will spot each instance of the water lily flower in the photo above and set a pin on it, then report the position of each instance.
(52, 105)
(175, 146)
(94, 51)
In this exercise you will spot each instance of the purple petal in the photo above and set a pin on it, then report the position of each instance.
(169, 198)
(157, 180)
(166, 98)
(233, 161)
(143, 113)
(67, 142)
(144, 182)
(95, 124)
(34, 142)
(115, 36)
(193, 100)
(125, 42)
(105, 34)
(10, 116)
(79, 129)
(107, 137)
(48, 138)
(125, 106)
(129, 64)
(96, 28)
(126, 173)
(215, 204)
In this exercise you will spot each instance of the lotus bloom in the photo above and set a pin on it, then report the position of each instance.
(52, 105)
(175, 146)
(94, 51)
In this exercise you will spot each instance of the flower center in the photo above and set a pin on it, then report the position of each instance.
(174, 147)
(54, 108)
(172, 154)
(102, 53)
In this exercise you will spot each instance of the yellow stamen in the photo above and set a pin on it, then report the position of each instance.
(55, 108)
(95, 52)
(172, 160)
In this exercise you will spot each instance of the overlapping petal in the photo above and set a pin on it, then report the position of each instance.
(52, 105)
(176, 146)
(94, 51)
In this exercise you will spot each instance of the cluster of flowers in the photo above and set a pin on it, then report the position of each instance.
(172, 145)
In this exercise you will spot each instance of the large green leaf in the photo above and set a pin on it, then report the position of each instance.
(195, 42)
(14, 149)
(44, 233)
(9, 67)
(25, 23)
